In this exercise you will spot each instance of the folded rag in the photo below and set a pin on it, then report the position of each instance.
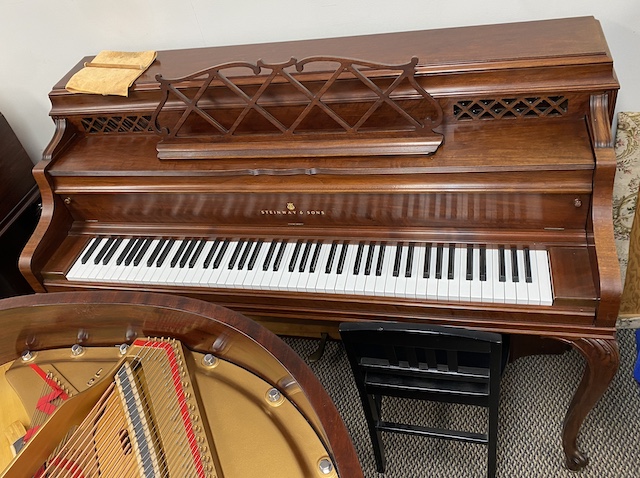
(111, 72)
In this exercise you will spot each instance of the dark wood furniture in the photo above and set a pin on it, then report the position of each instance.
(38, 323)
(425, 362)
(19, 209)
(493, 136)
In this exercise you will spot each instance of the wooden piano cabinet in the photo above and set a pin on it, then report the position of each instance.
(450, 136)
(19, 209)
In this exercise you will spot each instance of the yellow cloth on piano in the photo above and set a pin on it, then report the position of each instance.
(111, 72)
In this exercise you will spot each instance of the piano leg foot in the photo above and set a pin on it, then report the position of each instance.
(602, 360)
(317, 355)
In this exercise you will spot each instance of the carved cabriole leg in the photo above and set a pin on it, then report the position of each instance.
(602, 359)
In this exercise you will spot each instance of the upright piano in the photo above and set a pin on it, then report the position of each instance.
(460, 176)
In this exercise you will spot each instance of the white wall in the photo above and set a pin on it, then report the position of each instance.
(40, 40)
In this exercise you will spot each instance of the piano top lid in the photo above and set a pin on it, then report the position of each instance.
(538, 43)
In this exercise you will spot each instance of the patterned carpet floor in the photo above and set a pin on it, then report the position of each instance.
(535, 393)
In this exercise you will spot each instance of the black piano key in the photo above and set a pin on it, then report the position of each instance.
(279, 255)
(306, 253)
(165, 252)
(427, 261)
(451, 265)
(104, 250)
(294, 256)
(439, 252)
(502, 264)
(112, 250)
(408, 268)
(369, 262)
(191, 244)
(134, 250)
(528, 276)
(155, 252)
(270, 253)
(254, 255)
(332, 255)
(212, 251)
(514, 265)
(178, 254)
(245, 254)
(314, 259)
(220, 255)
(359, 253)
(469, 261)
(483, 263)
(343, 257)
(236, 254)
(380, 263)
(397, 260)
(143, 250)
(196, 254)
(125, 252)
(94, 245)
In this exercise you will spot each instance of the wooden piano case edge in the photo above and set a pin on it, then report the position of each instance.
(600, 226)
(55, 220)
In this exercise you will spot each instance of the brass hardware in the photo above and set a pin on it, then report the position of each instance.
(67, 201)
(577, 202)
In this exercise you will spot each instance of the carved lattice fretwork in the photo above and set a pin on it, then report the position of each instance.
(300, 102)
(117, 124)
(515, 107)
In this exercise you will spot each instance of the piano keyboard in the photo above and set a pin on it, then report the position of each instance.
(430, 271)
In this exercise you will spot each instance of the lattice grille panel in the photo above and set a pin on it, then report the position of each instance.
(117, 124)
(524, 107)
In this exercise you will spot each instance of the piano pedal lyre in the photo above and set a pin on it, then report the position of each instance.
(317, 355)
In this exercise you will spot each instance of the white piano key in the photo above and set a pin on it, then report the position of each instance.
(454, 284)
(498, 287)
(476, 287)
(340, 281)
(420, 291)
(318, 280)
(487, 285)
(443, 282)
(350, 286)
(522, 296)
(387, 268)
(509, 285)
(464, 285)
(361, 278)
(544, 276)
(411, 283)
(401, 280)
(370, 280)
(432, 282)
(533, 288)
(391, 280)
